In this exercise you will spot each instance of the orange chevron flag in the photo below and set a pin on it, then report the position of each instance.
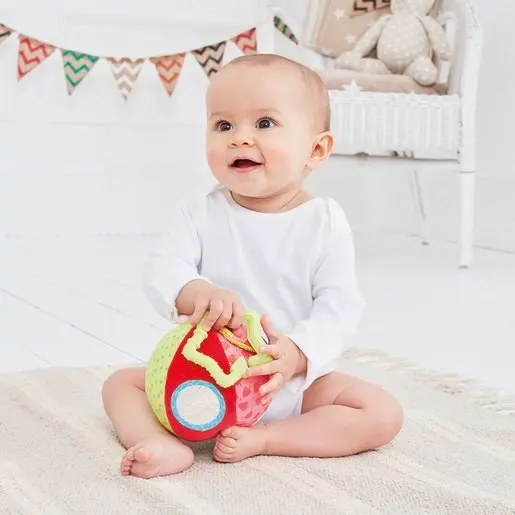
(246, 41)
(169, 68)
(31, 53)
(126, 72)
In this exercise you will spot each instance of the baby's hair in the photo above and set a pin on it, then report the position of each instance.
(315, 87)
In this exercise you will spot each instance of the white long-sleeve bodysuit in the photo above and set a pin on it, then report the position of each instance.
(295, 266)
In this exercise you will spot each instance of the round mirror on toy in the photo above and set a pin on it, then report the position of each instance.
(195, 380)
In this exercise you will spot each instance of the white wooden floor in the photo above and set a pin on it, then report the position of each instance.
(79, 302)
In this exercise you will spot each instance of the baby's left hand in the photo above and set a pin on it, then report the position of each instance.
(288, 361)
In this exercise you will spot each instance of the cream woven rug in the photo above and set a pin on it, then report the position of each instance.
(456, 455)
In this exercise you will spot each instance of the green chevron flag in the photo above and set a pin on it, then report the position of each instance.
(284, 29)
(76, 67)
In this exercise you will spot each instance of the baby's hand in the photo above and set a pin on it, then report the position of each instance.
(223, 307)
(288, 361)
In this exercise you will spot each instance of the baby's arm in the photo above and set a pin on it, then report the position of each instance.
(174, 286)
(171, 279)
(337, 302)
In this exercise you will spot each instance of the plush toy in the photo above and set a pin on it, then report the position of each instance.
(405, 42)
(196, 381)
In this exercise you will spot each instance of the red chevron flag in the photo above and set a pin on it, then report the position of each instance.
(169, 68)
(246, 41)
(31, 53)
(5, 32)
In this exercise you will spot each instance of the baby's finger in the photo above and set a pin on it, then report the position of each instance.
(268, 398)
(272, 350)
(264, 370)
(216, 308)
(272, 385)
(224, 317)
(200, 308)
(238, 314)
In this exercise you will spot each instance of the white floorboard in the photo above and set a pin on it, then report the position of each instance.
(79, 302)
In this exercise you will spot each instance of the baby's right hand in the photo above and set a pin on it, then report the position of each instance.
(223, 307)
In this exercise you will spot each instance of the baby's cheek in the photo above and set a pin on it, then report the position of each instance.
(278, 155)
(216, 157)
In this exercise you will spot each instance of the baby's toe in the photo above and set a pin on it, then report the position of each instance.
(142, 455)
(224, 448)
(130, 455)
(229, 432)
(220, 455)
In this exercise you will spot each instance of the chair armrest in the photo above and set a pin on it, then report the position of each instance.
(464, 72)
(465, 34)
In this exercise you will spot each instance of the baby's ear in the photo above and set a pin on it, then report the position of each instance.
(322, 147)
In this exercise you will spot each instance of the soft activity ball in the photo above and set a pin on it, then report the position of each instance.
(195, 380)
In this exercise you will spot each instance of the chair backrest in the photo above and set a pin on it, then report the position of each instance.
(333, 26)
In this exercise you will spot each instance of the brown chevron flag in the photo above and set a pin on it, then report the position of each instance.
(5, 32)
(126, 72)
(169, 68)
(246, 41)
(366, 6)
(31, 53)
(210, 57)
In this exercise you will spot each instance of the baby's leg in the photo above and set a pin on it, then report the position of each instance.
(151, 449)
(341, 416)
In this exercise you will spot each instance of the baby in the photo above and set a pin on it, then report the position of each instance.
(259, 241)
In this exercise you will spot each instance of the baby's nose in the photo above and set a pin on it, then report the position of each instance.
(242, 141)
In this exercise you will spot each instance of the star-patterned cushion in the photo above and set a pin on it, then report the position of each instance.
(352, 81)
(334, 26)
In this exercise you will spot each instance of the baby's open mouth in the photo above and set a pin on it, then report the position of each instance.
(242, 164)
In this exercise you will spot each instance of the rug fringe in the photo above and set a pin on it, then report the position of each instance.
(452, 384)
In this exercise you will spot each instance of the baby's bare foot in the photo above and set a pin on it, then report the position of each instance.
(159, 455)
(238, 443)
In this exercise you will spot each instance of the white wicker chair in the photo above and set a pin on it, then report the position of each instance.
(419, 130)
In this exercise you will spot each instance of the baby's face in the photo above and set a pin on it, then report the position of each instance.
(260, 132)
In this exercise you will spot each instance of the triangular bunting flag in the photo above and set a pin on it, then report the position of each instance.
(31, 53)
(5, 32)
(246, 41)
(284, 29)
(210, 57)
(76, 67)
(126, 72)
(169, 68)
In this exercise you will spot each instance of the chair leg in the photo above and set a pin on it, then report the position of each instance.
(467, 193)
(419, 206)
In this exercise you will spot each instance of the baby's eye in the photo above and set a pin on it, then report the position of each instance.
(265, 123)
(223, 126)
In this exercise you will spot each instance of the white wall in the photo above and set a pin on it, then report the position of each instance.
(92, 163)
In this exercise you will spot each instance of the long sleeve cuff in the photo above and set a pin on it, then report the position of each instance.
(162, 287)
(314, 367)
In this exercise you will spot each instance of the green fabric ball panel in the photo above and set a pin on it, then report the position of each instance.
(157, 370)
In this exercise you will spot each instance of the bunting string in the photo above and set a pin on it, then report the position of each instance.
(126, 70)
